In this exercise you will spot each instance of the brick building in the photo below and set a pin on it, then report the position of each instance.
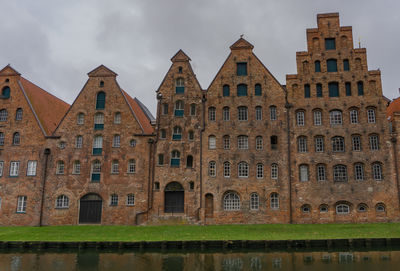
(246, 150)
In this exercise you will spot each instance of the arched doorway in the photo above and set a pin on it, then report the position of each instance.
(174, 198)
(90, 209)
(209, 205)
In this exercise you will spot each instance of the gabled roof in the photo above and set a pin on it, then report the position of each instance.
(180, 56)
(241, 44)
(140, 115)
(102, 71)
(9, 71)
(393, 107)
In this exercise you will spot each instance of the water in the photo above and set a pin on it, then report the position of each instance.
(193, 261)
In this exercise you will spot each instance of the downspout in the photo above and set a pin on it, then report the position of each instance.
(288, 106)
(203, 105)
(394, 142)
(46, 158)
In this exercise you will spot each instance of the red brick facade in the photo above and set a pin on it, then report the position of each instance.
(246, 150)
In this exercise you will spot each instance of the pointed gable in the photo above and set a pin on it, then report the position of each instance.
(102, 71)
(241, 44)
(9, 71)
(180, 56)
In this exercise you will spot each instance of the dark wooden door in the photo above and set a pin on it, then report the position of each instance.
(209, 205)
(174, 201)
(90, 210)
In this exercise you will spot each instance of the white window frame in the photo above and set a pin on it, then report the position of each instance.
(231, 202)
(227, 169)
(226, 113)
(243, 142)
(130, 199)
(212, 113)
(114, 200)
(340, 173)
(21, 204)
(242, 113)
(317, 117)
(76, 167)
(212, 169)
(132, 165)
(254, 202)
(302, 144)
(321, 172)
(227, 142)
(31, 168)
(374, 142)
(304, 173)
(342, 209)
(115, 167)
(243, 170)
(274, 171)
(62, 202)
(371, 115)
(300, 120)
(60, 170)
(338, 144)
(272, 112)
(212, 142)
(14, 168)
(1, 168)
(259, 171)
(258, 112)
(78, 142)
(336, 117)
(117, 118)
(359, 172)
(353, 116)
(377, 171)
(80, 119)
(116, 141)
(356, 143)
(274, 201)
(259, 143)
(319, 144)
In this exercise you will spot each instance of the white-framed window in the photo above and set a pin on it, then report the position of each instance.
(374, 142)
(1, 168)
(319, 144)
(338, 144)
(2, 139)
(359, 171)
(274, 171)
(243, 170)
(321, 172)
(272, 112)
(117, 118)
(231, 201)
(306, 209)
(98, 142)
(259, 171)
(114, 200)
(76, 168)
(211, 114)
(99, 118)
(242, 113)
(212, 169)
(226, 113)
(259, 143)
(116, 141)
(371, 115)
(356, 142)
(335, 117)
(227, 142)
(130, 200)
(254, 201)
(62, 145)
(78, 142)
(303, 173)
(62, 201)
(258, 113)
(340, 173)
(377, 171)
(317, 117)
(274, 201)
(302, 144)
(342, 209)
(21, 204)
(212, 142)
(60, 167)
(243, 142)
(323, 208)
(96, 167)
(353, 116)
(380, 207)
(133, 142)
(3, 114)
(227, 169)
(18, 114)
(115, 167)
(80, 119)
(14, 168)
(300, 120)
(31, 168)
(132, 164)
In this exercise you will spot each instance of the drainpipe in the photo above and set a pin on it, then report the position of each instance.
(203, 125)
(46, 158)
(288, 106)
(394, 142)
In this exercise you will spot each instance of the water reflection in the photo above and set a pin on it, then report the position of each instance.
(225, 261)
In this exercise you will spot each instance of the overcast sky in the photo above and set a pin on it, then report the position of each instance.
(56, 43)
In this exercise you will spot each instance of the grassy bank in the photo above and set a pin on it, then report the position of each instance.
(186, 232)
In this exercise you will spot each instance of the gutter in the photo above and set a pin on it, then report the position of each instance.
(289, 170)
(203, 103)
(46, 155)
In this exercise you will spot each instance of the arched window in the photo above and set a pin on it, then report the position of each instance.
(193, 109)
(97, 145)
(96, 171)
(78, 142)
(333, 89)
(331, 65)
(225, 91)
(116, 141)
(189, 161)
(371, 115)
(356, 142)
(175, 158)
(377, 171)
(62, 201)
(274, 204)
(117, 118)
(16, 139)
(242, 113)
(257, 90)
(374, 142)
(302, 144)
(243, 170)
(18, 114)
(259, 143)
(380, 207)
(319, 144)
(1, 139)
(306, 208)
(99, 121)
(260, 171)
(274, 171)
(5, 93)
(80, 119)
(177, 133)
(258, 113)
(130, 200)
(227, 142)
(335, 117)
(317, 65)
(227, 169)
(323, 208)
(180, 86)
(346, 65)
(76, 167)
(319, 90)
(100, 100)
(353, 116)
(243, 142)
(212, 142)
(317, 117)
(303, 172)
(340, 173)
(231, 201)
(212, 169)
(3, 115)
(179, 108)
(362, 207)
(321, 172)
(360, 88)
(225, 113)
(114, 200)
(338, 144)
(307, 91)
(115, 167)
(300, 120)
(359, 171)
(211, 113)
(60, 167)
(272, 112)
(242, 90)
(254, 201)
(342, 209)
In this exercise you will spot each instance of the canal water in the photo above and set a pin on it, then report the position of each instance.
(226, 261)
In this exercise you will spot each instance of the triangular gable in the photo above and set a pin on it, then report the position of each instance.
(102, 71)
(241, 44)
(180, 56)
(9, 71)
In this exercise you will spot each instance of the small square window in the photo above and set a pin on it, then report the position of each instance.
(330, 44)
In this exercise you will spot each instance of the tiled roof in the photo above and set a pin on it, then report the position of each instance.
(393, 107)
(140, 115)
(48, 108)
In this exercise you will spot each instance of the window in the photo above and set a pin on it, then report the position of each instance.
(99, 121)
(274, 171)
(62, 145)
(80, 119)
(14, 168)
(62, 201)
(130, 200)
(254, 201)
(331, 65)
(1, 139)
(78, 142)
(360, 88)
(156, 186)
(114, 200)
(243, 170)
(319, 144)
(323, 208)
(96, 171)
(377, 171)
(227, 142)
(330, 44)
(340, 173)
(362, 208)
(132, 143)
(163, 134)
(16, 139)
(307, 91)
(302, 144)
(179, 108)
(338, 144)
(97, 145)
(177, 133)
(346, 65)
(231, 201)
(189, 161)
(342, 209)
(317, 117)
(115, 167)
(300, 118)
(241, 68)
(212, 142)
(353, 116)
(5, 93)
(303, 173)
(101, 84)
(225, 113)
(117, 118)
(193, 110)
(259, 143)
(211, 113)
(241, 90)
(165, 109)
(31, 168)
(242, 113)
(243, 142)
(374, 142)
(335, 117)
(257, 90)
(225, 91)
(260, 171)
(319, 90)
(333, 89)
(306, 208)
(359, 171)
(272, 112)
(317, 65)
(321, 172)
(227, 170)
(76, 168)
(160, 159)
(179, 69)
(348, 88)
(180, 86)
(274, 201)
(258, 113)
(212, 169)
(380, 207)
(116, 141)
(274, 142)
(371, 115)
(356, 142)
(191, 135)
(60, 167)
(21, 204)
(1, 168)
(100, 100)
(175, 158)
(18, 114)
(3, 115)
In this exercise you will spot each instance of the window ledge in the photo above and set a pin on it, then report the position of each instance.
(61, 208)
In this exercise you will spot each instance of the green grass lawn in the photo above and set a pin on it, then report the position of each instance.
(186, 232)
